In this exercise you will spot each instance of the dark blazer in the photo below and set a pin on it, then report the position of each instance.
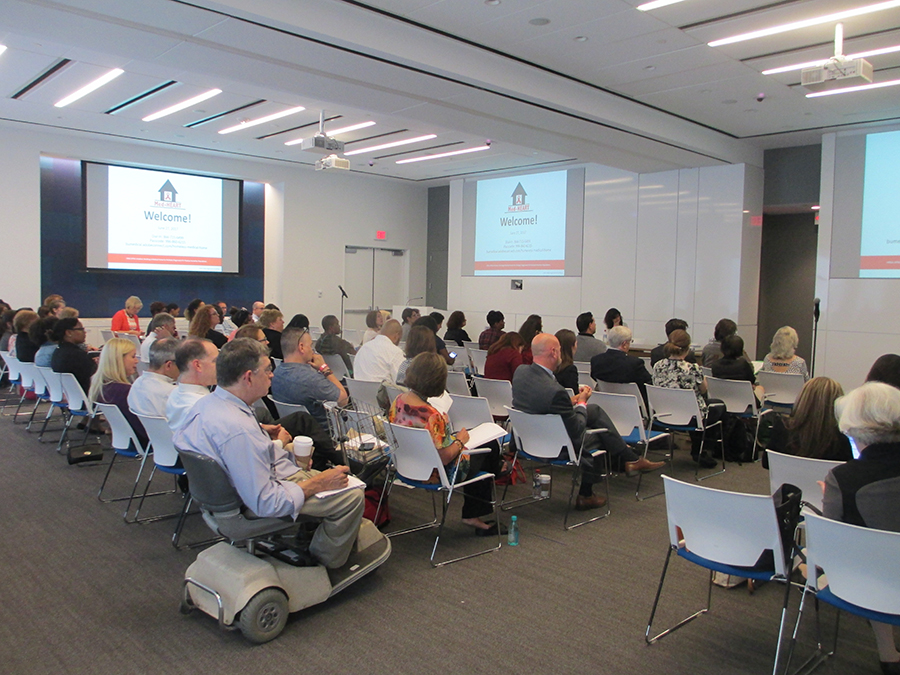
(274, 338)
(614, 365)
(537, 392)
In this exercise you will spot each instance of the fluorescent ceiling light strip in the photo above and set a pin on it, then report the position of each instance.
(263, 120)
(336, 132)
(2, 48)
(806, 23)
(443, 154)
(184, 104)
(822, 62)
(88, 88)
(850, 90)
(395, 144)
(647, 6)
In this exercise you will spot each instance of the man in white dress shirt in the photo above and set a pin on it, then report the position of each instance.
(196, 362)
(379, 359)
(149, 392)
(162, 325)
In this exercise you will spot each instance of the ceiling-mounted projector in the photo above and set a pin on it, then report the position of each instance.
(332, 162)
(322, 144)
(838, 72)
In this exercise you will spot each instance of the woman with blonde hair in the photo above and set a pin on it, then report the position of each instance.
(112, 381)
(126, 320)
(781, 357)
(811, 430)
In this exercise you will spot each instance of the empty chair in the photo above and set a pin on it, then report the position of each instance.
(726, 532)
(781, 388)
(457, 383)
(497, 392)
(467, 412)
(479, 358)
(541, 438)
(625, 413)
(804, 472)
(364, 393)
(107, 335)
(337, 365)
(134, 338)
(415, 461)
(285, 409)
(739, 399)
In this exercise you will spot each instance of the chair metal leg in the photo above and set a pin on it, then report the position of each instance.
(652, 640)
(416, 528)
(697, 475)
(137, 513)
(445, 504)
(34, 410)
(819, 656)
(670, 455)
(528, 499)
(176, 535)
(575, 474)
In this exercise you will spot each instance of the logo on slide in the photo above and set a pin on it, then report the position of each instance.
(518, 200)
(167, 194)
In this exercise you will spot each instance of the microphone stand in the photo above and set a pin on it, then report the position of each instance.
(343, 295)
(812, 364)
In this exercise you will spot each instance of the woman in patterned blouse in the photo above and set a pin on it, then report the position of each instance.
(781, 357)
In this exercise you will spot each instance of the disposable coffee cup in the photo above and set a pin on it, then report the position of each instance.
(303, 446)
(545, 485)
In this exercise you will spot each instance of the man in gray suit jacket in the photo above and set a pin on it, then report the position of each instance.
(536, 391)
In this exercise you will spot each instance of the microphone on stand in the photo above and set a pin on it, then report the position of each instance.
(816, 312)
(409, 300)
(343, 292)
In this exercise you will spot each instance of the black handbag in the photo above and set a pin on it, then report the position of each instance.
(77, 454)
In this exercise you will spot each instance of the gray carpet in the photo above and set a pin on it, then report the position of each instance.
(84, 593)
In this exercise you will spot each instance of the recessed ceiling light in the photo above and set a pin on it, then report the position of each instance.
(88, 88)
(815, 208)
(647, 6)
(443, 154)
(822, 62)
(492, 3)
(539, 22)
(337, 132)
(850, 90)
(581, 38)
(263, 120)
(649, 67)
(394, 144)
(806, 23)
(746, 211)
(2, 48)
(184, 104)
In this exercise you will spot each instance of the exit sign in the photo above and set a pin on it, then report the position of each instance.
(380, 235)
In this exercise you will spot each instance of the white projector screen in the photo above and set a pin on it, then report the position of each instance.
(143, 219)
(524, 225)
(879, 248)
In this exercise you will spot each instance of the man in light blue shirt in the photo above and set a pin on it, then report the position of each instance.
(264, 473)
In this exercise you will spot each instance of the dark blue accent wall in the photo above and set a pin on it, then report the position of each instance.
(101, 293)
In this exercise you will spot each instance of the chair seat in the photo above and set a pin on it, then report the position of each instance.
(635, 436)
(174, 470)
(757, 573)
(481, 475)
(825, 595)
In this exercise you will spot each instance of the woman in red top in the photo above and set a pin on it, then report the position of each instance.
(531, 327)
(126, 320)
(504, 356)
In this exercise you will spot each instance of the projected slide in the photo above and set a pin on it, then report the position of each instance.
(520, 225)
(880, 240)
(164, 221)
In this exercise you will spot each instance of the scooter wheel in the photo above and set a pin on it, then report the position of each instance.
(264, 617)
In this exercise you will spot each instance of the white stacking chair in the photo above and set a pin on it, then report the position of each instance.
(285, 409)
(804, 472)
(79, 406)
(782, 389)
(41, 392)
(739, 399)
(415, 460)
(497, 392)
(583, 367)
(26, 381)
(479, 358)
(392, 392)
(859, 576)
(55, 394)
(470, 344)
(629, 388)
(586, 379)
(625, 413)
(722, 532)
(542, 438)
(678, 410)
(457, 383)
(467, 412)
(337, 365)
(107, 335)
(364, 393)
(134, 338)
(12, 368)
(142, 367)
(706, 370)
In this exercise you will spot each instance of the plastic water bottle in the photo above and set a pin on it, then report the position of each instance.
(513, 539)
(536, 484)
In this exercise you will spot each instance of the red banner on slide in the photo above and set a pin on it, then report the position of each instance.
(879, 262)
(520, 265)
(163, 260)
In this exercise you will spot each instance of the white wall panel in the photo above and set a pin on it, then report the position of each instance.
(657, 240)
(686, 249)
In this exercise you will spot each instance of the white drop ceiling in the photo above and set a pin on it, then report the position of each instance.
(639, 90)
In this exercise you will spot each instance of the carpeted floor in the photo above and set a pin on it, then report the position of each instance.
(82, 592)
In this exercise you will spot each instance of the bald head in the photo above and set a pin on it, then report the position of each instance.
(392, 330)
(545, 350)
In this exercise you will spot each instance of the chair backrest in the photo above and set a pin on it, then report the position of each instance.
(414, 454)
(160, 435)
(365, 393)
(337, 365)
(624, 411)
(285, 409)
(40, 384)
(497, 392)
(803, 472)
(351, 335)
(12, 364)
(123, 435)
(781, 388)
(26, 372)
(75, 395)
(142, 367)
(107, 335)
(479, 358)
(457, 383)
(583, 367)
(469, 411)
(706, 370)
(392, 392)
(674, 406)
(737, 395)
(630, 388)
(54, 383)
(871, 500)
(134, 338)
(586, 379)
(542, 436)
(860, 562)
(727, 527)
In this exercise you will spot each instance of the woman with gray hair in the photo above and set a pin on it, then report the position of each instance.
(866, 491)
(781, 357)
